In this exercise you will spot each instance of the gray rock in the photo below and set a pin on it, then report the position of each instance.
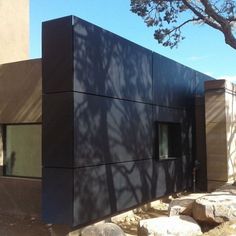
(169, 226)
(106, 229)
(183, 205)
(215, 208)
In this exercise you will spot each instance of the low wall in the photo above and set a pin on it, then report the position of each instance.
(20, 197)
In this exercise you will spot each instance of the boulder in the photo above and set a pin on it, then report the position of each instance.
(169, 226)
(106, 229)
(183, 205)
(215, 208)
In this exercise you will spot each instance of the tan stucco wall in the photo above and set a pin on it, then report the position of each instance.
(220, 118)
(21, 92)
(14, 28)
(230, 111)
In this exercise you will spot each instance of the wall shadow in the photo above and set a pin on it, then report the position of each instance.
(113, 126)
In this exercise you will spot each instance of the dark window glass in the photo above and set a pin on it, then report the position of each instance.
(22, 155)
(168, 140)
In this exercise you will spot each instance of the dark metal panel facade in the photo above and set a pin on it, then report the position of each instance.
(173, 83)
(93, 195)
(57, 54)
(200, 78)
(201, 144)
(108, 65)
(79, 196)
(103, 96)
(108, 130)
(58, 130)
(185, 118)
(57, 195)
(141, 181)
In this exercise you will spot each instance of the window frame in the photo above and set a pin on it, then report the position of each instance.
(178, 127)
(4, 140)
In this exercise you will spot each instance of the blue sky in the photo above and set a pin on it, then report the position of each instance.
(203, 49)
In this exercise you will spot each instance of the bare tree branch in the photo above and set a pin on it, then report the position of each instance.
(184, 23)
(201, 16)
(165, 15)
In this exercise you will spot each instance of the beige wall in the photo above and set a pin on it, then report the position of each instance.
(21, 92)
(230, 111)
(220, 116)
(14, 28)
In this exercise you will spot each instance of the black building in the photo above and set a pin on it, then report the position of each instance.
(118, 123)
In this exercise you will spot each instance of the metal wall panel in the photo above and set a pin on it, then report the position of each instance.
(99, 115)
(108, 130)
(106, 64)
(173, 83)
(103, 63)
(93, 194)
(81, 195)
(91, 130)
(58, 130)
(200, 79)
(57, 195)
(57, 54)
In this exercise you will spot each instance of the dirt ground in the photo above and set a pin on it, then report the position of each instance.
(18, 226)
(24, 226)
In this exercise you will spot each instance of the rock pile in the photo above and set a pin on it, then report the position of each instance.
(185, 217)
(184, 213)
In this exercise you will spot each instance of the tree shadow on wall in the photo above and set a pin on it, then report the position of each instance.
(174, 84)
(114, 127)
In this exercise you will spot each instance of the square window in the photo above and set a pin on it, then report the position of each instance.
(168, 141)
